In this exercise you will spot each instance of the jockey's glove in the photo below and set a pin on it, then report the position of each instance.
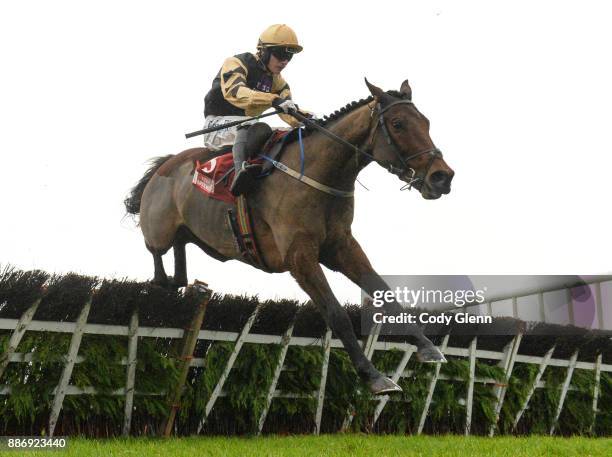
(310, 115)
(285, 104)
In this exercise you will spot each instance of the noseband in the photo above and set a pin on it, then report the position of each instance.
(405, 172)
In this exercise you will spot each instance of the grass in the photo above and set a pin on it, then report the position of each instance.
(333, 445)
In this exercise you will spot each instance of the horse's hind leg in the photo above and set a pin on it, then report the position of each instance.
(160, 277)
(180, 259)
(159, 221)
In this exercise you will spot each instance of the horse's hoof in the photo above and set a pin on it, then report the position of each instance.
(430, 354)
(384, 385)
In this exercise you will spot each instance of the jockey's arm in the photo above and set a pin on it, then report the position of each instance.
(253, 102)
(280, 87)
(235, 90)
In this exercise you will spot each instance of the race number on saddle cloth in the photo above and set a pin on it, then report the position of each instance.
(212, 178)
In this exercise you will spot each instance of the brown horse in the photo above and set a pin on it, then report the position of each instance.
(299, 227)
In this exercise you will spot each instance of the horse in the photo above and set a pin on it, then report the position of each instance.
(299, 227)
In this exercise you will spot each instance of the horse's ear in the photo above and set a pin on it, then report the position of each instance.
(375, 91)
(405, 90)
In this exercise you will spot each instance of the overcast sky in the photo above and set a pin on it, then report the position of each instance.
(518, 94)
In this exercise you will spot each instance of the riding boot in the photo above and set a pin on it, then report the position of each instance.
(243, 179)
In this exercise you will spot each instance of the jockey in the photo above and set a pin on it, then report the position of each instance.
(246, 86)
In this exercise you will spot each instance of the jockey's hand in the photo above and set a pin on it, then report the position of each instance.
(284, 104)
(308, 114)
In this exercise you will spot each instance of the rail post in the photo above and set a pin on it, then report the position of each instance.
(17, 334)
(190, 338)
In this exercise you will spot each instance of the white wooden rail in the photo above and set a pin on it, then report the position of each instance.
(75, 342)
(230, 363)
(510, 353)
(18, 332)
(507, 358)
(470, 392)
(130, 372)
(368, 349)
(323, 383)
(596, 388)
(536, 381)
(432, 387)
(395, 378)
(564, 389)
(277, 372)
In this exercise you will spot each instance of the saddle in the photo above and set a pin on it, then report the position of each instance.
(214, 177)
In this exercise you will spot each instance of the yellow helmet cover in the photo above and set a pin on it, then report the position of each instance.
(279, 35)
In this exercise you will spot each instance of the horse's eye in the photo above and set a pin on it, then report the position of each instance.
(397, 124)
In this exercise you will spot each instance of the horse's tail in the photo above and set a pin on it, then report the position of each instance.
(132, 201)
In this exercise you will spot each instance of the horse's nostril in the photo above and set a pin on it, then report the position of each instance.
(439, 179)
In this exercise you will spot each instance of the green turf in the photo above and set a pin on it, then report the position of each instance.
(333, 445)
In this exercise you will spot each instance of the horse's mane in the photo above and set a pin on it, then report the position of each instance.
(353, 105)
(345, 110)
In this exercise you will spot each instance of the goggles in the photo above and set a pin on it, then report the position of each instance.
(282, 52)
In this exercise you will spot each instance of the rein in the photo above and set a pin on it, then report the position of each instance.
(405, 172)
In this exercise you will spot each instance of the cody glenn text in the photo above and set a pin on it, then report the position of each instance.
(426, 318)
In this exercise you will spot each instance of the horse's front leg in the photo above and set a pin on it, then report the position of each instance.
(303, 262)
(349, 259)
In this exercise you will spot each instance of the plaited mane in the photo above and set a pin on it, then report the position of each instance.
(353, 105)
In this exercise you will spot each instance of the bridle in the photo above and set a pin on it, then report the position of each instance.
(405, 172)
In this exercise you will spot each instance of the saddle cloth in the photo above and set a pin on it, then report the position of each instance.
(214, 177)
